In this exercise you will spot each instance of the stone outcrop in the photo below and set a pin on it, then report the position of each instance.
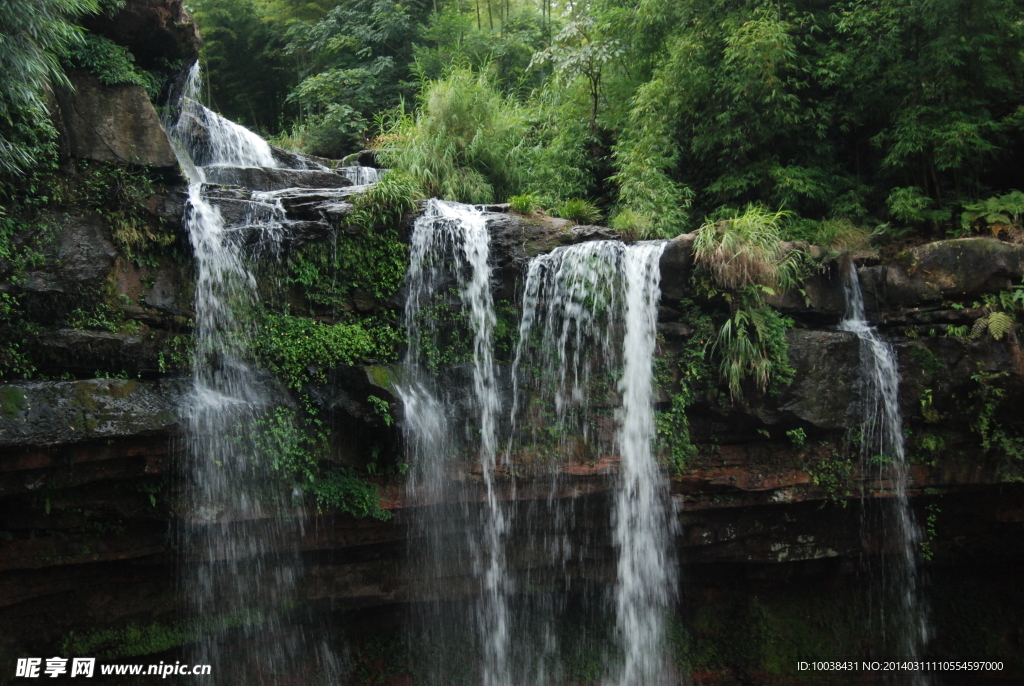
(955, 270)
(113, 124)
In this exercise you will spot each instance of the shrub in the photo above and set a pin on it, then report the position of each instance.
(523, 204)
(746, 250)
(467, 142)
(579, 210)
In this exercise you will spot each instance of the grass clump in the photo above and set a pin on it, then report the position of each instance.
(579, 210)
(524, 204)
(745, 250)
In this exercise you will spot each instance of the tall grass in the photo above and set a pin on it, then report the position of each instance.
(747, 250)
(466, 141)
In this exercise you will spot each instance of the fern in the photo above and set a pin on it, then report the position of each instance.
(998, 324)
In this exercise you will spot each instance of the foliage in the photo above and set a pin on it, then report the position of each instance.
(113, 64)
(14, 359)
(298, 348)
(746, 250)
(371, 262)
(296, 446)
(579, 210)
(524, 204)
(752, 343)
(466, 143)
(996, 212)
(34, 35)
(997, 324)
(695, 379)
(118, 192)
(341, 488)
(989, 397)
(839, 235)
(798, 436)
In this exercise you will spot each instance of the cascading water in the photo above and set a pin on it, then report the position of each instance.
(882, 452)
(586, 344)
(361, 176)
(449, 269)
(242, 568)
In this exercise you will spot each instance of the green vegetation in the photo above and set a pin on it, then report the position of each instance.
(658, 112)
(298, 349)
(686, 377)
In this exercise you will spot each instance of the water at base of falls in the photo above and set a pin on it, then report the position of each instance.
(526, 566)
(901, 619)
(242, 573)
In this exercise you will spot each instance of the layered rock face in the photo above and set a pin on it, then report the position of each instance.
(772, 504)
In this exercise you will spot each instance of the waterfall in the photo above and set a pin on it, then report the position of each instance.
(882, 451)
(586, 345)
(449, 269)
(361, 176)
(242, 569)
(646, 582)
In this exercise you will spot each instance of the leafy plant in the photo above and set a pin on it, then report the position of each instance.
(746, 250)
(579, 211)
(467, 142)
(798, 436)
(524, 204)
(752, 342)
(34, 34)
(997, 213)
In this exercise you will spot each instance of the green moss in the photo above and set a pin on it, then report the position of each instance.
(12, 402)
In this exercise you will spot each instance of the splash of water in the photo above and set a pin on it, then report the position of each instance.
(882, 448)
(361, 176)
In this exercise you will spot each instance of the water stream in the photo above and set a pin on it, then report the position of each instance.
(451, 417)
(904, 628)
(583, 386)
(242, 572)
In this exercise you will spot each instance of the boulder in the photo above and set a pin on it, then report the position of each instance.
(114, 124)
(78, 260)
(825, 391)
(956, 269)
(61, 412)
(151, 30)
(677, 266)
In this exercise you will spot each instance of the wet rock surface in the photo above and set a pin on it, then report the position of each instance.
(113, 124)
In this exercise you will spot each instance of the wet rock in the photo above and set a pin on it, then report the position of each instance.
(151, 30)
(677, 267)
(78, 261)
(55, 412)
(83, 352)
(273, 179)
(167, 293)
(820, 299)
(114, 124)
(825, 388)
(944, 270)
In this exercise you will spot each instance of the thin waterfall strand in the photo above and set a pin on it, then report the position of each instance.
(882, 444)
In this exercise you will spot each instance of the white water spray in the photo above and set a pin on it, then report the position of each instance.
(242, 568)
